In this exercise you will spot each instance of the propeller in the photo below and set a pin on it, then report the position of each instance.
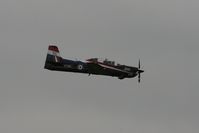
(139, 71)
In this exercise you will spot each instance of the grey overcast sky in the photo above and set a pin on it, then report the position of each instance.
(164, 34)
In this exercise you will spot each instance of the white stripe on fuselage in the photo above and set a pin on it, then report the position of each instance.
(113, 68)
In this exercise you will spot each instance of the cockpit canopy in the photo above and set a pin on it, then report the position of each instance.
(104, 61)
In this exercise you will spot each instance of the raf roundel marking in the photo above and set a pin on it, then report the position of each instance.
(80, 67)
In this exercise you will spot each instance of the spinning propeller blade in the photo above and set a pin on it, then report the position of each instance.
(139, 71)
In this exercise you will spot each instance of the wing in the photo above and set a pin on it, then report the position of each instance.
(101, 69)
(115, 70)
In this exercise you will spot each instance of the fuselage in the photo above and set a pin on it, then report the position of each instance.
(91, 66)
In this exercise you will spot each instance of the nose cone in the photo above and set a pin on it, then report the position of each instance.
(141, 71)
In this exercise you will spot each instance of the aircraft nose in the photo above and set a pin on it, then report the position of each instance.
(141, 71)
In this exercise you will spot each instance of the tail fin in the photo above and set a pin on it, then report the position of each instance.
(53, 56)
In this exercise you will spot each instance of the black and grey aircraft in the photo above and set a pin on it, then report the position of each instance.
(90, 66)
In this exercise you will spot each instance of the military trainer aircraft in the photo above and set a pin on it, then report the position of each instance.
(90, 66)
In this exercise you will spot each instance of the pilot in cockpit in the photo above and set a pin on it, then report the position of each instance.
(109, 62)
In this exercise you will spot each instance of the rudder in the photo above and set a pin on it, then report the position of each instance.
(53, 56)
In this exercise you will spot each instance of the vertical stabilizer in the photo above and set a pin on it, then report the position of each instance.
(53, 56)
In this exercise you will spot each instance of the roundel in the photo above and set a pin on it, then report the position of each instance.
(80, 67)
